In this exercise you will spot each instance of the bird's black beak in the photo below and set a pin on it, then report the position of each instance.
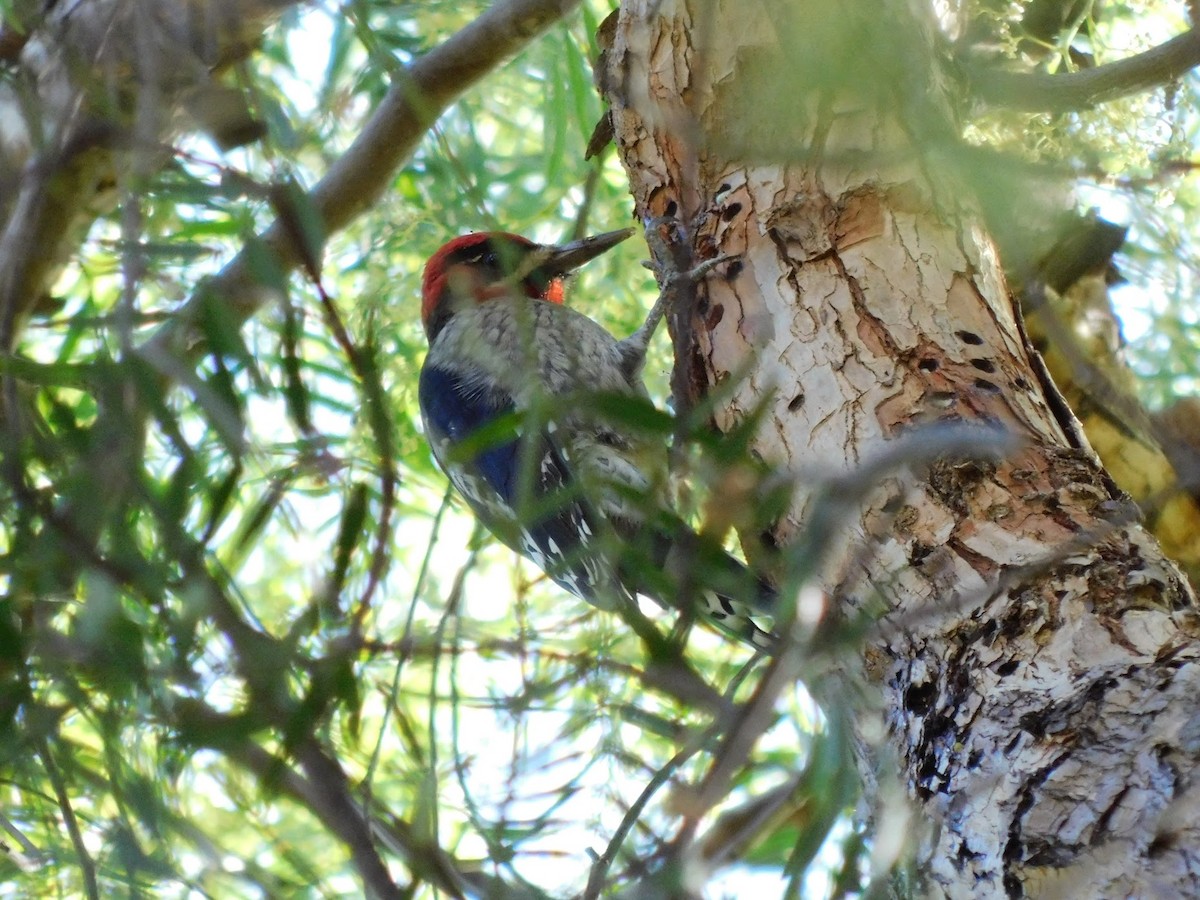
(565, 258)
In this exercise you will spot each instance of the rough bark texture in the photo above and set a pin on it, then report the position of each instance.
(1152, 457)
(1037, 659)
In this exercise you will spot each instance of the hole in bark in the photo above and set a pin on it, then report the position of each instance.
(672, 208)
(733, 270)
(969, 337)
(1021, 384)
(715, 317)
(1161, 844)
(1034, 725)
(796, 402)
(984, 385)
(1014, 849)
(730, 211)
(926, 772)
(928, 365)
(938, 726)
(919, 553)
(919, 698)
(944, 399)
(1012, 886)
(725, 188)
(1007, 668)
(984, 365)
(966, 855)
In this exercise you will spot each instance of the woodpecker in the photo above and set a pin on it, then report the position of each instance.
(503, 396)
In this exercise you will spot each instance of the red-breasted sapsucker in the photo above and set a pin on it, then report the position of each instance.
(504, 396)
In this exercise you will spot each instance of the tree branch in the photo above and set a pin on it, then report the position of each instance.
(362, 174)
(1086, 88)
(325, 792)
(357, 179)
(328, 795)
(58, 171)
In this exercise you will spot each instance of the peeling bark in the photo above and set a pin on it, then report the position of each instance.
(1037, 659)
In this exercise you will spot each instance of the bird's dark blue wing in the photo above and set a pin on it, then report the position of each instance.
(452, 412)
(556, 532)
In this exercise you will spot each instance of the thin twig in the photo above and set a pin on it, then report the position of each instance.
(579, 229)
(338, 811)
(600, 867)
(406, 645)
(86, 865)
(365, 369)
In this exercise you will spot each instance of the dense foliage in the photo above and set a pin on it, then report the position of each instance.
(240, 608)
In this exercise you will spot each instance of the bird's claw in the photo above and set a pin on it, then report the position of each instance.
(702, 268)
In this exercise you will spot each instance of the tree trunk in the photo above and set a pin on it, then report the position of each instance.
(1036, 658)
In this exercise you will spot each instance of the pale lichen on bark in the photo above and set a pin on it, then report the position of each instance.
(1037, 661)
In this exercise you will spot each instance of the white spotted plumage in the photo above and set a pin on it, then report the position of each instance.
(500, 345)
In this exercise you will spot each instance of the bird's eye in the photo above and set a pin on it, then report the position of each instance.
(484, 258)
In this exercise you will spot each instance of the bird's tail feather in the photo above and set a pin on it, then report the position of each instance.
(684, 570)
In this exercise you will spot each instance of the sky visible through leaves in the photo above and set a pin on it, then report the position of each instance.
(508, 723)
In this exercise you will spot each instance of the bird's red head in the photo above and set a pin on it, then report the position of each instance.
(486, 265)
